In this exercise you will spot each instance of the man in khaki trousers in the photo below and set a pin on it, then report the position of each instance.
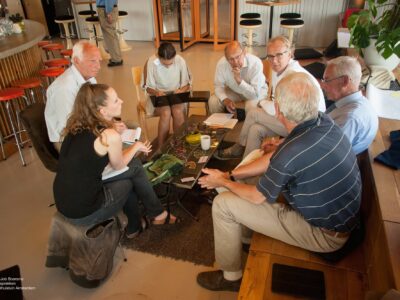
(107, 11)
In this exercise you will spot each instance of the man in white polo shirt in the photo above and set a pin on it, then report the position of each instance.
(238, 77)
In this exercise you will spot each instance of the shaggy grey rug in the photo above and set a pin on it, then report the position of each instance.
(188, 240)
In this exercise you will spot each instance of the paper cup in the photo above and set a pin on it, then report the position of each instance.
(205, 142)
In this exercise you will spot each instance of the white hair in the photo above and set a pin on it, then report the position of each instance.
(80, 48)
(297, 97)
(347, 65)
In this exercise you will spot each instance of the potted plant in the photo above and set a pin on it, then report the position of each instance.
(377, 38)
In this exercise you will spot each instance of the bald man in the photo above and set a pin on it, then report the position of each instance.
(238, 77)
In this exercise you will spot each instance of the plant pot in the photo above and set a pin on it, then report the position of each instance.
(372, 57)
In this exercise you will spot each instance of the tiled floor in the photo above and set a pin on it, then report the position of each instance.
(25, 216)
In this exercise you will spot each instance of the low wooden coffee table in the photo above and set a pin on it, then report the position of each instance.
(193, 156)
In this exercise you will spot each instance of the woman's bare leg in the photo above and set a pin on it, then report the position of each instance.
(178, 115)
(163, 124)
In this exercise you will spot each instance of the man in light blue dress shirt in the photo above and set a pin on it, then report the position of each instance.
(351, 111)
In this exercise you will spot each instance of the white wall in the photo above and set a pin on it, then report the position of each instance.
(320, 21)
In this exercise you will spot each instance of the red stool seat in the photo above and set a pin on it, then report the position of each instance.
(53, 46)
(51, 72)
(43, 43)
(10, 93)
(66, 52)
(27, 83)
(57, 62)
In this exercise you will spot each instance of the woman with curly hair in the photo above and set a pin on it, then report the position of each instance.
(90, 144)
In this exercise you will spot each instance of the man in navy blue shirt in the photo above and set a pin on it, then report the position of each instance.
(314, 169)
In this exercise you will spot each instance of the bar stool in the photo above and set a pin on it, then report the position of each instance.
(83, 15)
(66, 21)
(51, 73)
(50, 48)
(43, 43)
(66, 53)
(250, 16)
(94, 21)
(57, 62)
(291, 25)
(28, 85)
(250, 25)
(8, 95)
(122, 43)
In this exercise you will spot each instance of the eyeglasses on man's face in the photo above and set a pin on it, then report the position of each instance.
(235, 58)
(278, 55)
(324, 80)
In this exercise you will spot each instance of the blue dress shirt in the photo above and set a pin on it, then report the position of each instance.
(358, 120)
(108, 4)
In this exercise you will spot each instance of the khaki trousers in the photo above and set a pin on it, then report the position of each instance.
(110, 33)
(233, 218)
(258, 125)
(215, 105)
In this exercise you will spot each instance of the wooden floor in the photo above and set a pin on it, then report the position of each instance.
(344, 280)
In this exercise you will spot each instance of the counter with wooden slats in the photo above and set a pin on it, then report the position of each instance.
(20, 58)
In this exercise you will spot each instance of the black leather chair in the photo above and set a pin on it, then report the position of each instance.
(33, 120)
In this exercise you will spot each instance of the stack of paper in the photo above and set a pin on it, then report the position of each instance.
(218, 119)
(129, 136)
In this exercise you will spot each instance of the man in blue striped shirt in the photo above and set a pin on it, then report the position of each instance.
(315, 169)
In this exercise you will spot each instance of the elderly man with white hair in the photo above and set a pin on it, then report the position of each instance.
(261, 122)
(314, 169)
(62, 92)
(351, 111)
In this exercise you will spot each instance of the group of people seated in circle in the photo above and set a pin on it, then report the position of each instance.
(291, 147)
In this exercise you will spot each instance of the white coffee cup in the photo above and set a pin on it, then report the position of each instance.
(205, 142)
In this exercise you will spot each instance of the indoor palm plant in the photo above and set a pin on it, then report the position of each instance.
(378, 33)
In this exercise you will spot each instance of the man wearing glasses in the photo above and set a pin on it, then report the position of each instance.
(238, 77)
(261, 122)
(351, 111)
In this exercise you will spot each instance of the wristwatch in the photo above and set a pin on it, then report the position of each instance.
(231, 176)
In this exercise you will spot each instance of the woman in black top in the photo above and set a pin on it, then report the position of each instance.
(91, 143)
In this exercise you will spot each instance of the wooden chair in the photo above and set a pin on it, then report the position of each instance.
(137, 73)
(268, 77)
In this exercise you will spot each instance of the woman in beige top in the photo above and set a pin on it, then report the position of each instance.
(167, 82)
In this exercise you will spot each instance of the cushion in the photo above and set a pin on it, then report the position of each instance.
(122, 13)
(292, 22)
(86, 12)
(250, 22)
(290, 16)
(64, 18)
(250, 15)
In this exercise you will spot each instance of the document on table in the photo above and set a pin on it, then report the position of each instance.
(129, 136)
(221, 120)
(385, 102)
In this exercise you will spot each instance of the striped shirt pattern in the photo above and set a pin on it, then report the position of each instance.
(316, 171)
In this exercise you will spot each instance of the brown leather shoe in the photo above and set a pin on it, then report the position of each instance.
(215, 281)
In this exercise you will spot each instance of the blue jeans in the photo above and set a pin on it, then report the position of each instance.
(124, 192)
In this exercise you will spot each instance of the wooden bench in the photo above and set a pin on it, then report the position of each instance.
(344, 280)
(374, 266)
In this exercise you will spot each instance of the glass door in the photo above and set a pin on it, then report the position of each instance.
(187, 23)
(168, 19)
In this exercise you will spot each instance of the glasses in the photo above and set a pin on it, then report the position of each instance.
(237, 57)
(277, 55)
(330, 80)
